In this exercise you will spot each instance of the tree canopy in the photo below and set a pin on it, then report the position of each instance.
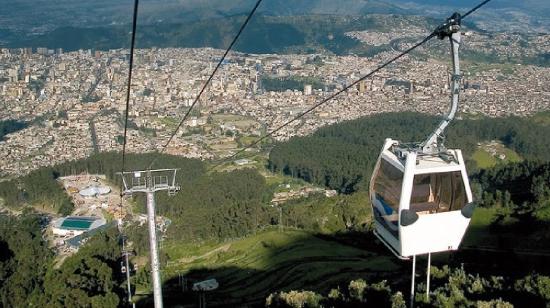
(342, 156)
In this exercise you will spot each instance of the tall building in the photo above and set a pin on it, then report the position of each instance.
(307, 89)
(42, 51)
(362, 86)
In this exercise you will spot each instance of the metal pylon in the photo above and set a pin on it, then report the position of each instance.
(149, 182)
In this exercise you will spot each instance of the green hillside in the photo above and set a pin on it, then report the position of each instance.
(249, 269)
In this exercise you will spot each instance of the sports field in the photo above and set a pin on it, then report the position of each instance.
(77, 223)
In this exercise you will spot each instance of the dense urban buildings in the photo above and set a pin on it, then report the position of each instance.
(74, 101)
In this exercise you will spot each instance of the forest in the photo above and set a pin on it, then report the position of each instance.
(513, 201)
(217, 205)
(342, 156)
(30, 278)
(211, 206)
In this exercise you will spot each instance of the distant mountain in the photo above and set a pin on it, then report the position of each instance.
(265, 34)
(276, 35)
(537, 7)
(43, 15)
(279, 26)
(29, 17)
(498, 15)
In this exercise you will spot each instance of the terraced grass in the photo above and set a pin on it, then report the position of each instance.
(270, 261)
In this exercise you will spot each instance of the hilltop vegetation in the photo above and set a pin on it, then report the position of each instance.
(90, 278)
(41, 188)
(215, 205)
(24, 260)
(514, 200)
(516, 195)
(208, 198)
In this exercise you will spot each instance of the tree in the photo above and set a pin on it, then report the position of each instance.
(294, 299)
(398, 301)
(24, 258)
(357, 289)
(88, 278)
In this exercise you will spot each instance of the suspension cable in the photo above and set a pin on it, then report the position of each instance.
(324, 101)
(127, 109)
(243, 26)
(124, 141)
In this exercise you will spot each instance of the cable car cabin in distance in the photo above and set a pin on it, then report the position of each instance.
(421, 203)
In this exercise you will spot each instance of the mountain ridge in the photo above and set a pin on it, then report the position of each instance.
(22, 18)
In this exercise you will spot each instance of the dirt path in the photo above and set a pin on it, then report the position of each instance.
(223, 248)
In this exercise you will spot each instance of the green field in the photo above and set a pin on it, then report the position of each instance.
(269, 261)
(168, 121)
(475, 68)
(485, 160)
(512, 156)
(248, 140)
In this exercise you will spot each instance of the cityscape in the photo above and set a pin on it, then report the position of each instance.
(78, 97)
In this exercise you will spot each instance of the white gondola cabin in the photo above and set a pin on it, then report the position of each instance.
(420, 193)
(422, 203)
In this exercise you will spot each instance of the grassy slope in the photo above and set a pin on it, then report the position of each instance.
(504, 235)
(478, 233)
(270, 260)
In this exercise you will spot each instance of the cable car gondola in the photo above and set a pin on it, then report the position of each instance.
(420, 193)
